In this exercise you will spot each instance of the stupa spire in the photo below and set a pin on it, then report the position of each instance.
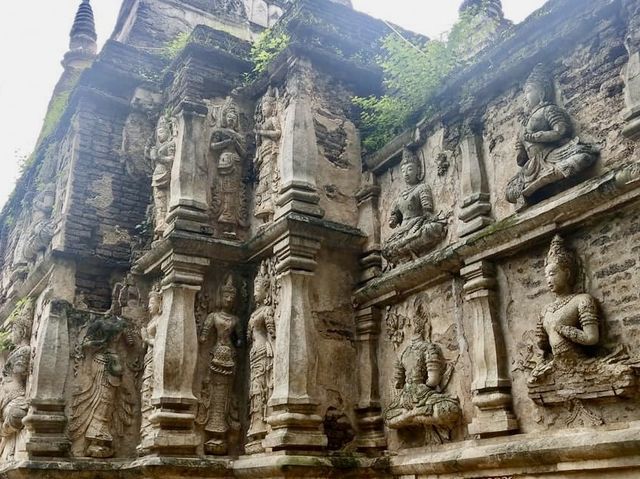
(83, 37)
(83, 31)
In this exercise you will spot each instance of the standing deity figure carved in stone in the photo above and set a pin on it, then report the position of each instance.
(546, 150)
(42, 228)
(162, 154)
(268, 136)
(101, 406)
(261, 335)
(420, 376)
(567, 332)
(148, 334)
(229, 192)
(417, 228)
(223, 325)
(13, 401)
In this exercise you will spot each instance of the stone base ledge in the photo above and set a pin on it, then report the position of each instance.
(576, 453)
(613, 453)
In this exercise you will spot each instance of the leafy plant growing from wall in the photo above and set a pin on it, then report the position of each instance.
(413, 75)
(267, 47)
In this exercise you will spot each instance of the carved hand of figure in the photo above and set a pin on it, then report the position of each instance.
(542, 338)
(587, 337)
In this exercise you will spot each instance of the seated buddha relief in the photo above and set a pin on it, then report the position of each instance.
(574, 363)
(417, 228)
(547, 150)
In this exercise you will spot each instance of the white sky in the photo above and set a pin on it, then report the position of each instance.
(34, 38)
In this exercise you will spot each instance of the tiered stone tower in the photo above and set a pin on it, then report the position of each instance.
(204, 275)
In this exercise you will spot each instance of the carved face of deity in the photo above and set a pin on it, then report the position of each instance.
(260, 290)
(268, 107)
(558, 278)
(162, 132)
(20, 365)
(155, 304)
(533, 96)
(228, 299)
(231, 119)
(410, 173)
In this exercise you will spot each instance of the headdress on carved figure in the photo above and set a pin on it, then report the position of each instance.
(560, 255)
(540, 78)
(410, 158)
(228, 286)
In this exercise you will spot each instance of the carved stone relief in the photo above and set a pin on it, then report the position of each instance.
(268, 134)
(148, 334)
(421, 376)
(162, 153)
(229, 194)
(418, 229)
(261, 335)
(13, 400)
(568, 336)
(547, 150)
(221, 330)
(102, 406)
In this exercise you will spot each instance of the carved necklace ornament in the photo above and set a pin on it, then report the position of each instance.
(418, 230)
(567, 332)
(546, 150)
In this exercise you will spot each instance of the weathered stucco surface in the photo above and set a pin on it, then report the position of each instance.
(203, 274)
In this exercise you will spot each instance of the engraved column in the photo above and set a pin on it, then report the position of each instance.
(491, 384)
(476, 207)
(368, 410)
(294, 420)
(631, 74)
(175, 357)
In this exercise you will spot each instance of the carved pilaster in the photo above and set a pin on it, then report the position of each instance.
(631, 75)
(46, 420)
(295, 422)
(175, 358)
(369, 411)
(189, 179)
(299, 155)
(476, 208)
(368, 198)
(491, 383)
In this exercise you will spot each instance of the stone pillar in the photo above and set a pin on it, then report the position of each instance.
(176, 353)
(491, 384)
(46, 420)
(476, 208)
(631, 74)
(368, 410)
(188, 202)
(368, 198)
(295, 422)
(299, 154)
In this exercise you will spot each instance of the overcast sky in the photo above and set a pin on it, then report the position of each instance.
(34, 37)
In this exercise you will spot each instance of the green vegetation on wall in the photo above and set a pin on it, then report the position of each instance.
(268, 46)
(413, 75)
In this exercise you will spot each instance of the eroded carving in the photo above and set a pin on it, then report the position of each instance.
(229, 198)
(215, 405)
(568, 332)
(261, 336)
(42, 225)
(149, 337)
(162, 154)
(421, 376)
(101, 407)
(547, 150)
(13, 401)
(417, 227)
(268, 135)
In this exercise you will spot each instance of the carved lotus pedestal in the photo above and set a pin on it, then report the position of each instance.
(595, 380)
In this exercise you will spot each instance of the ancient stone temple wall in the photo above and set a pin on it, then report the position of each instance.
(204, 275)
